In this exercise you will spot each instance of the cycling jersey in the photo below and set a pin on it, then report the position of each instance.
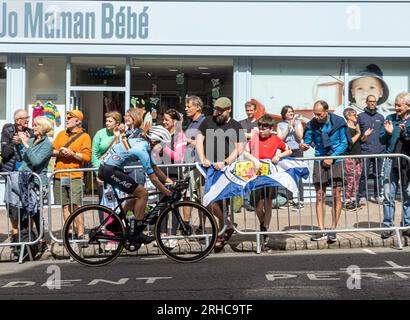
(127, 152)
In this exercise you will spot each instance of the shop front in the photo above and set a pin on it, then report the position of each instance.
(102, 56)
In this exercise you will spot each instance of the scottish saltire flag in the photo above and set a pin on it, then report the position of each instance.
(239, 178)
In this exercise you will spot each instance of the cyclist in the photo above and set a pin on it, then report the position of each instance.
(112, 171)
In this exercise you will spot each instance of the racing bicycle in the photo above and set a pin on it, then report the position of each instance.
(185, 231)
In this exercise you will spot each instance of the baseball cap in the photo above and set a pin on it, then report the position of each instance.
(75, 114)
(223, 103)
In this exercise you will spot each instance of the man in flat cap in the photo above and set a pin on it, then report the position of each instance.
(220, 141)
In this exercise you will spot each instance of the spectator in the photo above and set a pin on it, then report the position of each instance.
(133, 122)
(11, 143)
(371, 124)
(193, 109)
(172, 153)
(145, 115)
(103, 140)
(290, 130)
(328, 134)
(72, 148)
(250, 123)
(353, 167)
(11, 155)
(220, 141)
(37, 152)
(395, 135)
(265, 146)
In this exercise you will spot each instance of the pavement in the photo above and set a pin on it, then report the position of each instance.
(283, 219)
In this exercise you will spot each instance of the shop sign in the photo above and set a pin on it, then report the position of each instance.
(35, 20)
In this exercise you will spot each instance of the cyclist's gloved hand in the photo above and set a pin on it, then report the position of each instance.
(176, 195)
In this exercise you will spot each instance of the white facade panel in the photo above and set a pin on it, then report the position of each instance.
(176, 24)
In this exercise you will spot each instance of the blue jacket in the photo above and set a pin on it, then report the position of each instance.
(390, 140)
(374, 121)
(329, 139)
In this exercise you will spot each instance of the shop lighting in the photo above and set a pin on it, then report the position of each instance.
(206, 73)
(173, 70)
(40, 62)
(135, 67)
(203, 68)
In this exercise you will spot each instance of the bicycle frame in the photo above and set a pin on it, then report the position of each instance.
(151, 214)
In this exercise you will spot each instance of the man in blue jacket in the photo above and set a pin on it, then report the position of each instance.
(329, 135)
(395, 135)
(371, 124)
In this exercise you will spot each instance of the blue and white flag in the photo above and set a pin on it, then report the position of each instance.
(225, 183)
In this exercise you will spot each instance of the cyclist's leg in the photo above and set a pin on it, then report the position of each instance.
(140, 202)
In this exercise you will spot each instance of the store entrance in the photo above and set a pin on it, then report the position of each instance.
(163, 83)
(95, 104)
(101, 84)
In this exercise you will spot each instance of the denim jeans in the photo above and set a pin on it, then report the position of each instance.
(391, 186)
(377, 170)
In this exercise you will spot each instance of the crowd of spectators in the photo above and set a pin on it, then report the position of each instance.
(368, 132)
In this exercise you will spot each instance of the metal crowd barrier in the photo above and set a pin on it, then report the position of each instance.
(88, 194)
(284, 221)
(6, 225)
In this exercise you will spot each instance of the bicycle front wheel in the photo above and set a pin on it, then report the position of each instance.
(94, 235)
(191, 240)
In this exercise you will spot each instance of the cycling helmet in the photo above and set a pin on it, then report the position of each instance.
(159, 133)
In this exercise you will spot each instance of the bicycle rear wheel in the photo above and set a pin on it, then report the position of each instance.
(94, 235)
(190, 242)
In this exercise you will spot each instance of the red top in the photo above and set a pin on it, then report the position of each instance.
(266, 148)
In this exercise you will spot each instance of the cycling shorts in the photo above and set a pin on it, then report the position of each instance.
(117, 178)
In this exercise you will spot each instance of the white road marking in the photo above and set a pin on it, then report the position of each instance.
(369, 251)
(394, 265)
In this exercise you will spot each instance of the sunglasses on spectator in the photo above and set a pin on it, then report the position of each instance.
(264, 126)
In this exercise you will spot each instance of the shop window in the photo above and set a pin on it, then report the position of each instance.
(98, 71)
(297, 83)
(163, 83)
(381, 78)
(46, 89)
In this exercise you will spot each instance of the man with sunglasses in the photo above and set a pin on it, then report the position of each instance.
(72, 148)
(329, 135)
(220, 141)
(371, 124)
(11, 142)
